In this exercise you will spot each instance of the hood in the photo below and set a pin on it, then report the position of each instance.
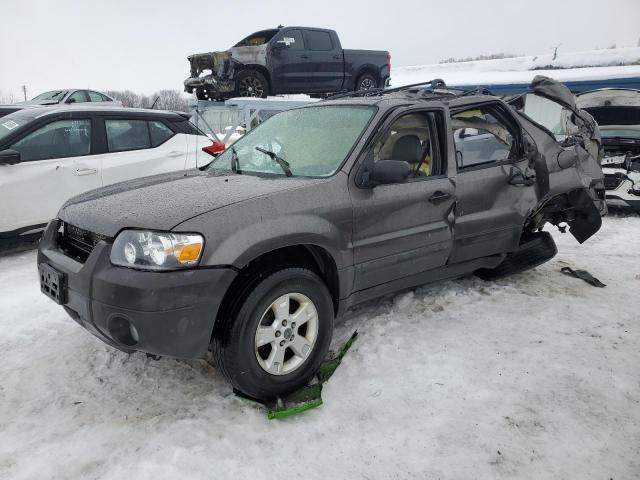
(612, 106)
(163, 201)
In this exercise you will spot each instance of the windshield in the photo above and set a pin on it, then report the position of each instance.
(16, 120)
(55, 95)
(313, 142)
(258, 38)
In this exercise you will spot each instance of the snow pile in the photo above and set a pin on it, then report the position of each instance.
(589, 65)
(533, 376)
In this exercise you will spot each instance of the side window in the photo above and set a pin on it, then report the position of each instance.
(481, 137)
(59, 139)
(96, 97)
(127, 135)
(292, 39)
(159, 132)
(79, 96)
(319, 41)
(411, 139)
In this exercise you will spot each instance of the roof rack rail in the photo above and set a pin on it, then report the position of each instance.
(437, 85)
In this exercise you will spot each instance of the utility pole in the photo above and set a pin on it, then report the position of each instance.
(24, 92)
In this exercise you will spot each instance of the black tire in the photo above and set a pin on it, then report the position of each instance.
(251, 83)
(234, 347)
(201, 93)
(536, 250)
(366, 81)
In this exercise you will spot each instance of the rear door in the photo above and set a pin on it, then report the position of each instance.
(57, 162)
(326, 56)
(290, 63)
(137, 147)
(406, 228)
(489, 218)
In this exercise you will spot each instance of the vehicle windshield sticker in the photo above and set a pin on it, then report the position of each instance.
(10, 125)
(287, 40)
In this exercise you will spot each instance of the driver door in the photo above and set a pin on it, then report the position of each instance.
(291, 63)
(404, 229)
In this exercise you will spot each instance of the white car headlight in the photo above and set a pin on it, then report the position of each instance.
(157, 250)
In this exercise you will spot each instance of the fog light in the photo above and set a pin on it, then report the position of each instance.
(123, 331)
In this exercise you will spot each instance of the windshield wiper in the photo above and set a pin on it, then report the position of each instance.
(235, 163)
(279, 160)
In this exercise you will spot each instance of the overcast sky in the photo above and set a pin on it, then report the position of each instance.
(142, 45)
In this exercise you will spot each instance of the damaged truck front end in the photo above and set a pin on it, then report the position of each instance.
(211, 75)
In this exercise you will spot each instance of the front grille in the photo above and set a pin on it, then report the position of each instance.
(612, 181)
(76, 242)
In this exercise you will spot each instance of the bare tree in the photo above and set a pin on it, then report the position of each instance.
(167, 99)
(7, 97)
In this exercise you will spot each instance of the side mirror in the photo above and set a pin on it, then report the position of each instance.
(71, 100)
(389, 171)
(9, 157)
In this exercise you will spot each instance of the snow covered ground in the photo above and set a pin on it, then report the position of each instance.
(534, 376)
(588, 65)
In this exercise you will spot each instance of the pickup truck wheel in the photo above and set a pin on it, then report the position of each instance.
(280, 334)
(251, 83)
(366, 82)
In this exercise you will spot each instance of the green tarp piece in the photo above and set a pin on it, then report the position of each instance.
(310, 396)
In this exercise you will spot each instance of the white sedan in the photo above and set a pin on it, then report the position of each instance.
(49, 154)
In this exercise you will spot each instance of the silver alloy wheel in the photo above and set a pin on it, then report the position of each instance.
(367, 84)
(286, 334)
(251, 87)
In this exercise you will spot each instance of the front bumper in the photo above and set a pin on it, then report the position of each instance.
(172, 312)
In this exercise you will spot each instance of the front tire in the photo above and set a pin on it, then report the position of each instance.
(275, 341)
(251, 83)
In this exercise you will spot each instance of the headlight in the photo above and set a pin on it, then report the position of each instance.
(157, 250)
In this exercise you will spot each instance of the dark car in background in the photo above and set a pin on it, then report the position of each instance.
(317, 209)
(286, 60)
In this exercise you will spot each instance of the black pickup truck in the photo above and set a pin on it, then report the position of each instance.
(286, 60)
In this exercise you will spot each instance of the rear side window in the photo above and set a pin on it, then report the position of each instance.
(319, 41)
(481, 137)
(127, 135)
(78, 97)
(59, 139)
(159, 132)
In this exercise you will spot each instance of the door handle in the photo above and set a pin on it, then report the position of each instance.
(337, 57)
(439, 197)
(174, 153)
(304, 56)
(86, 171)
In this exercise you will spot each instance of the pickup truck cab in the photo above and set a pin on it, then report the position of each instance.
(286, 60)
(317, 209)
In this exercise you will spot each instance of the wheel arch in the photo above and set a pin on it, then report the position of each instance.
(260, 68)
(311, 256)
(370, 69)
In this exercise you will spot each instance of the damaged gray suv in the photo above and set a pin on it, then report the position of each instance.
(318, 209)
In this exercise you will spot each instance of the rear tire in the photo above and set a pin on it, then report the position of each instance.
(366, 81)
(248, 344)
(536, 250)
